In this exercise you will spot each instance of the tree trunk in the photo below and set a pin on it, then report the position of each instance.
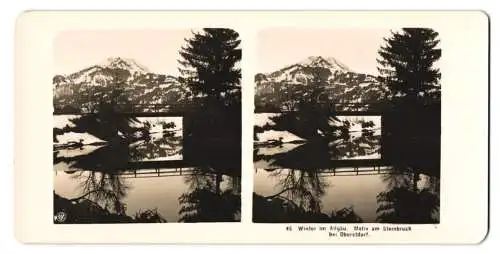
(416, 178)
(218, 180)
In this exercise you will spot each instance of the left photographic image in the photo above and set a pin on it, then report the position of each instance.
(147, 126)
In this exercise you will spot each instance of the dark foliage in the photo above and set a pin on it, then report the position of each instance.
(212, 128)
(407, 65)
(280, 210)
(209, 64)
(403, 205)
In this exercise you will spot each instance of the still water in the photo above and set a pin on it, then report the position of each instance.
(298, 178)
(334, 193)
(100, 175)
(148, 138)
(131, 196)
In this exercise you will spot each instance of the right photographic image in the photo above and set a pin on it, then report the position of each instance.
(347, 126)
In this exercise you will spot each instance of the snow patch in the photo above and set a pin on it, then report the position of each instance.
(276, 135)
(84, 150)
(364, 157)
(76, 137)
(277, 150)
(264, 118)
(61, 121)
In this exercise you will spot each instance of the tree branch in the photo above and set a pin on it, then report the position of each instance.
(279, 193)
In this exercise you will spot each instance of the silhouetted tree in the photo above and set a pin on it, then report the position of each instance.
(149, 216)
(278, 209)
(412, 126)
(86, 211)
(305, 188)
(212, 128)
(345, 215)
(203, 204)
(403, 205)
(209, 64)
(407, 64)
(404, 201)
(105, 189)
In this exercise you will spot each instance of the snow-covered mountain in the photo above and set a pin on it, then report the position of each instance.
(123, 80)
(303, 69)
(339, 83)
(124, 63)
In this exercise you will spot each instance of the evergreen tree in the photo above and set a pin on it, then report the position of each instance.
(209, 64)
(212, 126)
(407, 65)
(413, 125)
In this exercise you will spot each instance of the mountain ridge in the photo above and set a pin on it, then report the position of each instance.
(278, 90)
(330, 63)
(119, 63)
(119, 79)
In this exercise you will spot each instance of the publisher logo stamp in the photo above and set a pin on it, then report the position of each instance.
(60, 217)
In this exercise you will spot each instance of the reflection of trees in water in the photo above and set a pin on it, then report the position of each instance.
(215, 141)
(302, 187)
(352, 146)
(101, 201)
(116, 129)
(109, 159)
(281, 210)
(412, 127)
(401, 177)
(106, 189)
(311, 156)
(309, 123)
(158, 145)
(200, 178)
(299, 200)
(85, 211)
(154, 149)
(102, 189)
(405, 202)
(212, 137)
(212, 126)
(402, 205)
(204, 205)
(207, 201)
(149, 216)
(319, 154)
(105, 125)
(212, 142)
(323, 133)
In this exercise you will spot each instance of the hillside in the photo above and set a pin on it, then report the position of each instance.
(118, 80)
(281, 89)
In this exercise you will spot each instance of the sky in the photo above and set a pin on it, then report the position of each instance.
(156, 50)
(356, 48)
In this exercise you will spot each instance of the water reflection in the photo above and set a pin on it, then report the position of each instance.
(410, 197)
(294, 195)
(103, 173)
(330, 169)
(206, 201)
(190, 196)
(278, 136)
(162, 141)
(129, 138)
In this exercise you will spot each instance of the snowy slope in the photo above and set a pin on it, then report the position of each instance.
(123, 79)
(341, 84)
(124, 63)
